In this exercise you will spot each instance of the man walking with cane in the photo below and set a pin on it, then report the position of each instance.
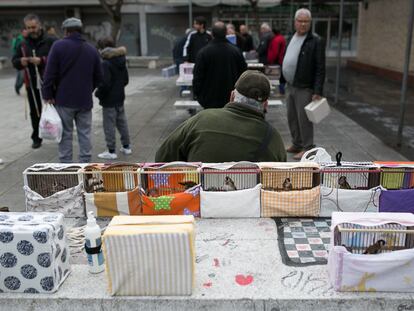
(30, 56)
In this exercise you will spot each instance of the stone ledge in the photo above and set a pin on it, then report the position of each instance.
(225, 248)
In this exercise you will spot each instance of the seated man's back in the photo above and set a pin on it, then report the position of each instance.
(237, 132)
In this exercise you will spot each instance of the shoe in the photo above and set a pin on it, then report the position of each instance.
(36, 144)
(293, 149)
(107, 155)
(299, 155)
(126, 151)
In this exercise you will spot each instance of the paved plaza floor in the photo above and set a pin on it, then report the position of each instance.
(151, 117)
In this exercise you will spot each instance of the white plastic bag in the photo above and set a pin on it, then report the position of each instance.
(319, 155)
(50, 125)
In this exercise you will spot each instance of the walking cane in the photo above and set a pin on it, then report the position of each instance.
(26, 103)
(38, 78)
(31, 85)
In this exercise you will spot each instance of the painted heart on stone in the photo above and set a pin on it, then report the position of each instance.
(244, 280)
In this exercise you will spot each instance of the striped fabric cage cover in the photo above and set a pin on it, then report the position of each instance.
(150, 255)
(108, 204)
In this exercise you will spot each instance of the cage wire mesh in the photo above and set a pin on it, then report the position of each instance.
(237, 177)
(385, 238)
(158, 180)
(47, 179)
(111, 178)
(284, 179)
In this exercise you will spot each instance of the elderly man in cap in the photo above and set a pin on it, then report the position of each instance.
(236, 132)
(73, 71)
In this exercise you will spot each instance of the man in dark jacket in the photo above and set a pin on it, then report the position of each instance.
(196, 40)
(248, 39)
(31, 55)
(178, 50)
(304, 70)
(217, 68)
(237, 132)
(73, 71)
(111, 94)
(266, 35)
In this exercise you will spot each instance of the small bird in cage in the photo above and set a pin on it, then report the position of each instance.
(96, 184)
(152, 192)
(187, 184)
(348, 248)
(375, 248)
(56, 187)
(343, 183)
(229, 184)
(287, 185)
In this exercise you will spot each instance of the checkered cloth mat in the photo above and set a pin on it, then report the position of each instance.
(303, 241)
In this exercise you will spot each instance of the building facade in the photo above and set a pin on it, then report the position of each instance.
(152, 29)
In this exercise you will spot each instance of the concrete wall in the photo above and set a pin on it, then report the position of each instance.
(382, 33)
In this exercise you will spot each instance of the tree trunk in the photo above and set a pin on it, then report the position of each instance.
(114, 12)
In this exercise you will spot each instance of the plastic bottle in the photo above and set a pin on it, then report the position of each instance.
(93, 244)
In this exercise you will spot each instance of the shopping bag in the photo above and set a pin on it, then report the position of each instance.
(50, 125)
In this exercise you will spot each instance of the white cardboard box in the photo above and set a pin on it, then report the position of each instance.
(317, 110)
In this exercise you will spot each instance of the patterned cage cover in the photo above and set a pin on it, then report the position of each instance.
(34, 255)
(112, 189)
(170, 188)
(290, 189)
(230, 190)
(54, 187)
(372, 252)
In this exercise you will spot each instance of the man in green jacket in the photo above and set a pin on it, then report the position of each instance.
(237, 132)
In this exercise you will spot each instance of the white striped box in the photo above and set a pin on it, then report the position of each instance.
(150, 255)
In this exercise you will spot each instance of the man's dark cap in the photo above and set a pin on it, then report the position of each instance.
(253, 84)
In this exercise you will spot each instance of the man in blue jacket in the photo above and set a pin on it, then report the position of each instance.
(72, 73)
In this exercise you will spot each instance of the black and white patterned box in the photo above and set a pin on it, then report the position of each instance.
(34, 255)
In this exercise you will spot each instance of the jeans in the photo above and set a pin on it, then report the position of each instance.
(83, 121)
(115, 117)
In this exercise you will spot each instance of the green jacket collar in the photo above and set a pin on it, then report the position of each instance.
(245, 109)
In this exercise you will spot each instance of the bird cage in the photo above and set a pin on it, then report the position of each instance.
(230, 190)
(115, 177)
(396, 175)
(171, 188)
(366, 247)
(54, 187)
(397, 181)
(290, 189)
(350, 175)
(349, 187)
(112, 189)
